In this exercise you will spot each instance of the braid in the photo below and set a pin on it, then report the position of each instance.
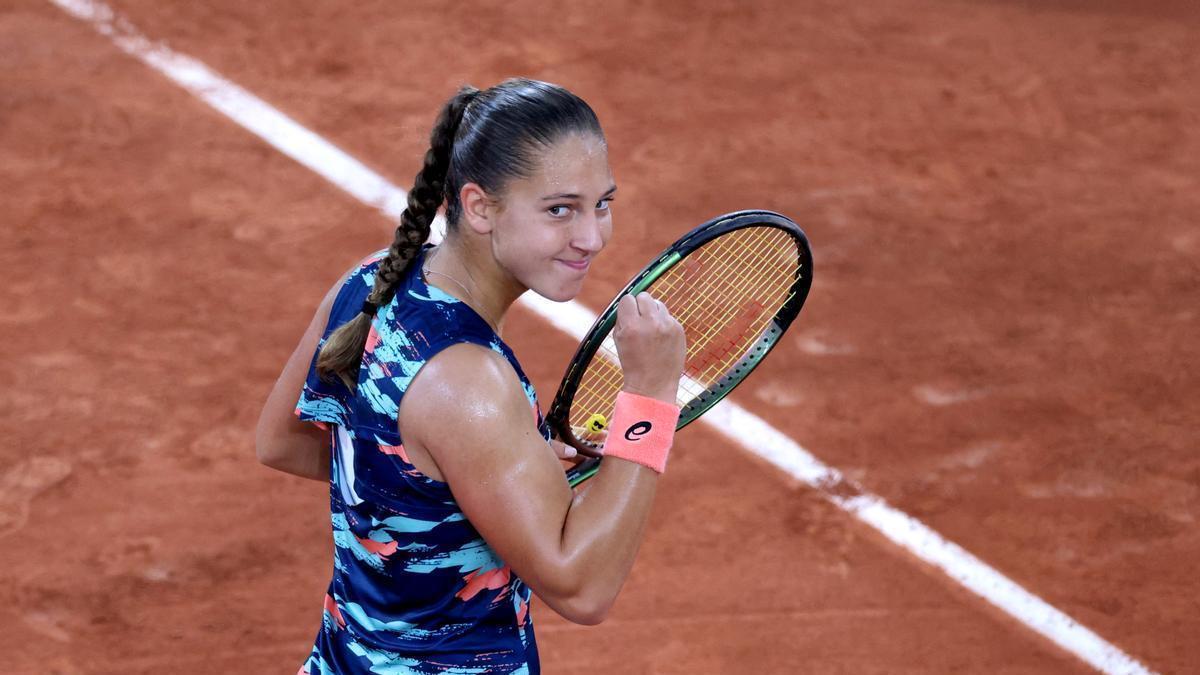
(342, 353)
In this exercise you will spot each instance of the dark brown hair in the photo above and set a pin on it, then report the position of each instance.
(486, 137)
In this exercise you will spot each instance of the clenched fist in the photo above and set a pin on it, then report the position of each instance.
(650, 344)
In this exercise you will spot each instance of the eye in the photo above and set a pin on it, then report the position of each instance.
(603, 204)
(559, 210)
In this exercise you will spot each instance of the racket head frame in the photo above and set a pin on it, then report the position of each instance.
(559, 415)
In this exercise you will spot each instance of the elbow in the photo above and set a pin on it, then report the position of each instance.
(265, 456)
(583, 605)
(588, 614)
(272, 446)
(267, 452)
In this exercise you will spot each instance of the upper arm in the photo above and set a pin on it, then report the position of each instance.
(466, 407)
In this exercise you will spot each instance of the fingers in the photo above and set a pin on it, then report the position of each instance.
(627, 311)
(642, 304)
(645, 303)
(636, 309)
(650, 346)
(562, 450)
(648, 305)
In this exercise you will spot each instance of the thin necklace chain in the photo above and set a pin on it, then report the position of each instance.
(456, 281)
(460, 284)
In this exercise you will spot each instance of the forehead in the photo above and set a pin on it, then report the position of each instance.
(574, 164)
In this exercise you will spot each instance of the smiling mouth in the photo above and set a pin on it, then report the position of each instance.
(579, 265)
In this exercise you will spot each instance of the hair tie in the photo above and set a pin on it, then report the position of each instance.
(369, 308)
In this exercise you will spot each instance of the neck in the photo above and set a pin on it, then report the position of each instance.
(470, 274)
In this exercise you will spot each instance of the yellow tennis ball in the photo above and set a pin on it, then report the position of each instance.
(596, 423)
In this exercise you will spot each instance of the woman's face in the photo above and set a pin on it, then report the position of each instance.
(550, 226)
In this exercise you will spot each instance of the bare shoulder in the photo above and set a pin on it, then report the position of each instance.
(467, 409)
(464, 383)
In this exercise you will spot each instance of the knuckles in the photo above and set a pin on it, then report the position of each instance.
(642, 317)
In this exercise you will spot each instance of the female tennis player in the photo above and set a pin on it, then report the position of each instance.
(449, 503)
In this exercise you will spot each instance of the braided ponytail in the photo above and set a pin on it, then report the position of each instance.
(341, 354)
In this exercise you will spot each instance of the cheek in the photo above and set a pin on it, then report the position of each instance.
(531, 243)
(550, 241)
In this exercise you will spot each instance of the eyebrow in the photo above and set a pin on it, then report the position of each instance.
(572, 195)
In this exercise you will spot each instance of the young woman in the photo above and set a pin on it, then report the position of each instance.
(449, 504)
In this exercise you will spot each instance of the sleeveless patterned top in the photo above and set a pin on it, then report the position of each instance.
(415, 588)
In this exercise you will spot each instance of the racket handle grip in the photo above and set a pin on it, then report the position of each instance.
(642, 430)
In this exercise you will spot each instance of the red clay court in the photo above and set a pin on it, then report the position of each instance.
(1002, 198)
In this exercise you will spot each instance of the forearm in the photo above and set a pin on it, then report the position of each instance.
(305, 453)
(314, 466)
(604, 527)
(283, 441)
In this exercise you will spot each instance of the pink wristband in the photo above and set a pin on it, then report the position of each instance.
(641, 431)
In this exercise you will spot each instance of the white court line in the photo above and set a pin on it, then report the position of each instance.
(731, 420)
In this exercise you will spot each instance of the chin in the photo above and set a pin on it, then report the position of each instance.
(559, 292)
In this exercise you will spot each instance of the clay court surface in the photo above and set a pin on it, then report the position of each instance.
(1001, 339)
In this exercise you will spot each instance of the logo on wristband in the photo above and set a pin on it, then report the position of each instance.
(635, 432)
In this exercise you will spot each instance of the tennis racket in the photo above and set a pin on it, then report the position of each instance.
(735, 284)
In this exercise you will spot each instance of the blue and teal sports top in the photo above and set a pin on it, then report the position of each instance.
(415, 588)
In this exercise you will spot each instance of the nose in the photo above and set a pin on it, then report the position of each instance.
(588, 234)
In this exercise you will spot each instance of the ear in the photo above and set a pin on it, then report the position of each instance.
(478, 208)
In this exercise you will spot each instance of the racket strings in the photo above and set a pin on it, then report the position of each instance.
(735, 279)
(741, 281)
(725, 294)
(734, 310)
